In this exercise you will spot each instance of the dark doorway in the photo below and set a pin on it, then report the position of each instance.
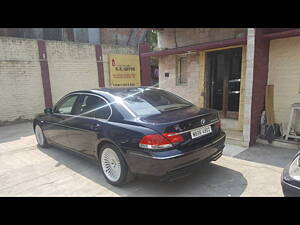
(223, 74)
(154, 71)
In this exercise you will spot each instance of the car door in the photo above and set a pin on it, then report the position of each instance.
(58, 128)
(88, 124)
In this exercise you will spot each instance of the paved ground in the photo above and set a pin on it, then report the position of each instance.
(26, 170)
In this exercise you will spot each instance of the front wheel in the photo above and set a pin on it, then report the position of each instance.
(40, 137)
(113, 165)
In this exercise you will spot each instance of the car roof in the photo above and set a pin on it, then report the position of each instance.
(122, 89)
(111, 93)
(115, 91)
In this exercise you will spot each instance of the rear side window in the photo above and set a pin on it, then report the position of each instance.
(94, 107)
(66, 105)
(151, 102)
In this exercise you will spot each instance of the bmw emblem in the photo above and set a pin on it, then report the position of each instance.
(202, 121)
(177, 127)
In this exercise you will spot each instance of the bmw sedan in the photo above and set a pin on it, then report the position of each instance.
(132, 131)
(290, 179)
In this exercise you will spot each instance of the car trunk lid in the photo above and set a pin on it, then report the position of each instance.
(183, 121)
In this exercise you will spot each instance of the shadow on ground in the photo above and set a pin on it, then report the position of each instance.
(269, 155)
(15, 132)
(210, 180)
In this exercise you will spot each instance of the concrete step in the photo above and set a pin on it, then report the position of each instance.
(229, 124)
(281, 143)
(234, 142)
(234, 137)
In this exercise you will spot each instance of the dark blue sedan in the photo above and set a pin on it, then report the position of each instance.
(131, 131)
(290, 179)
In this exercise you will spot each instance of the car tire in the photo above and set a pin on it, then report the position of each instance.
(40, 137)
(114, 166)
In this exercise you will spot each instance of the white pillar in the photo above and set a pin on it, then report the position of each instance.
(248, 85)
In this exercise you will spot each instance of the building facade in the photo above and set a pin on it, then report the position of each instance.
(228, 69)
(110, 36)
(222, 68)
(40, 65)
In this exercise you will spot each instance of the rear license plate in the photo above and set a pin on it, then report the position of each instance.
(200, 131)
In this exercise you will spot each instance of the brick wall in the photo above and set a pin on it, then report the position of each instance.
(284, 74)
(72, 66)
(191, 91)
(21, 90)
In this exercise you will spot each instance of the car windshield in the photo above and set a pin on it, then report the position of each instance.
(152, 101)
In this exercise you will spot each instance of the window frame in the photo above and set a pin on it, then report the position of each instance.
(62, 100)
(179, 72)
(80, 95)
(135, 114)
(102, 98)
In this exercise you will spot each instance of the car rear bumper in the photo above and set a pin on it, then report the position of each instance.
(175, 160)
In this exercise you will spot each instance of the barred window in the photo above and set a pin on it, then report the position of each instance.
(181, 73)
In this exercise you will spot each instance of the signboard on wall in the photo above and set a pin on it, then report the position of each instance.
(124, 70)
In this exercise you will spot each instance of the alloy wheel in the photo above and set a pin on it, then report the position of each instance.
(111, 164)
(39, 135)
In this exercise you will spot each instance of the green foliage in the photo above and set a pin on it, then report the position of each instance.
(151, 38)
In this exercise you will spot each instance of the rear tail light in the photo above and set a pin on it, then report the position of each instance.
(173, 137)
(158, 141)
(218, 124)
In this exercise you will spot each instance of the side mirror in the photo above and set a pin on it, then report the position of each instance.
(48, 111)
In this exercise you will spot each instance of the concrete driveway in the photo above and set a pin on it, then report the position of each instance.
(26, 170)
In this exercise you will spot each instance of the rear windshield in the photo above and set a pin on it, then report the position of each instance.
(153, 101)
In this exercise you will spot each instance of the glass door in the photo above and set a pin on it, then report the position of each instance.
(224, 78)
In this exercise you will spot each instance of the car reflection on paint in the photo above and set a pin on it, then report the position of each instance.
(133, 131)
